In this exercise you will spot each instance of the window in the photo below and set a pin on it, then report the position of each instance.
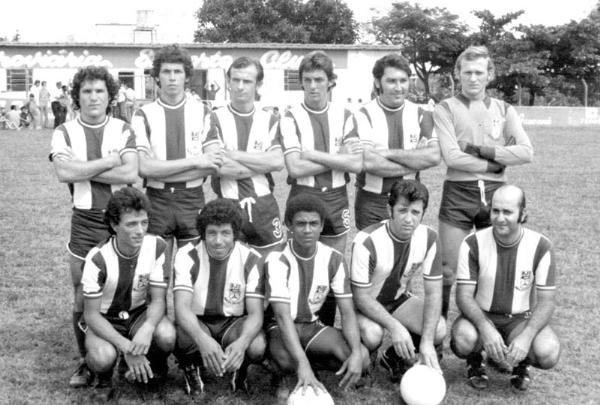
(19, 79)
(127, 78)
(291, 80)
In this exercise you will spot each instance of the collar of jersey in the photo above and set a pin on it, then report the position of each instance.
(383, 106)
(302, 257)
(119, 253)
(170, 107)
(93, 126)
(310, 110)
(515, 243)
(241, 114)
(466, 101)
(389, 231)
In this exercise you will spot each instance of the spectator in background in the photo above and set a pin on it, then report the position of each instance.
(121, 102)
(212, 90)
(129, 103)
(24, 118)
(13, 118)
(34, 112)
(35, 90)
(44, 102)
(58, 109)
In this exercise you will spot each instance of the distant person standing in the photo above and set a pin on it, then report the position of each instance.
(57, 108)
(43, 104)
(211, 91)
(479, 136)
(35, 90)
(129, 102)
(34, 112)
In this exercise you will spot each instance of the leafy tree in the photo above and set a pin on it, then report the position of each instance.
(431, 38)
(285, 21)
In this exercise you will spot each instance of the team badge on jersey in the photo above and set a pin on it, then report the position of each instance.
(319, 295)
(525, 280)
(142, 282)
(195, 149)
(338, 142)
(413, 269)
(235, 294)
(258, 145)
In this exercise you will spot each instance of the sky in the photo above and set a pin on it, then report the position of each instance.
(74, 20)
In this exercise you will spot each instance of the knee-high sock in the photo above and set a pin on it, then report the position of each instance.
(446, 290)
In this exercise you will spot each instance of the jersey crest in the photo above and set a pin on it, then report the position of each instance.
(525, 281)
(319, 295)
(142, 282)
(235, 293)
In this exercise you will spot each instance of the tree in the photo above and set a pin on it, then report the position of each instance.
(431, 38)
(285, 21)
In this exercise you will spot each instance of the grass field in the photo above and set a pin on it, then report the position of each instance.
(37, 350)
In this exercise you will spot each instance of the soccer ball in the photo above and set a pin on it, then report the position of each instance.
(309, 397)
(422, 385)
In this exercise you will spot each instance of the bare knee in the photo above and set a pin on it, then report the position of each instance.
(464, 338)
(101, 356)
(440, 332)
(256, 350)
(165, 335)
(546, 352)
(371, 335)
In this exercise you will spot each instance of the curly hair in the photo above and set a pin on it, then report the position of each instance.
(122, 201)
(304, 203)
(220, 212)
(317, 60)
(412, 190)
(91, 73)
(172, 54)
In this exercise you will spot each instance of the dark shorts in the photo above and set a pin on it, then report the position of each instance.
(336, 203)
(127, 323)
(370, 208)
(218, 326)
(87, 230)
(505, 323)
(392, 306)
(262, 224)
(307, 332)
(462, 204)
(174, 213)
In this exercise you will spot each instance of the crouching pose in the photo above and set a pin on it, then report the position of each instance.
(219, 295)
(505, 292)
(385, 257)
(299, 279)
(118, 276)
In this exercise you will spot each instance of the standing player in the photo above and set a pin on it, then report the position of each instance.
(385, 258)
(398, 139)
(479, 137)
(94, 154)
(298, 281)
(170, 134)
(506, 294)
(321, 146)
(219, 294)
(118, 277)
(252, 152)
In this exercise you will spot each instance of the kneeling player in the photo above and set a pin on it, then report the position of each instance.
(502, 270)
(385, 256)
(219, 295)
(299, 279)
(117, 277)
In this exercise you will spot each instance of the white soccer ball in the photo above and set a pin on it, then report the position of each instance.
(309, 397)
(422, 385)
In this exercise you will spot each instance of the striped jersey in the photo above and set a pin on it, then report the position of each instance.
(325, 131)
(505, 275)
(304, 282)
(385, 265)
(256, 131)
(123, 282)
(219, 287)
(387, 128)
(171, 132)
(488, 122)
(92, 142)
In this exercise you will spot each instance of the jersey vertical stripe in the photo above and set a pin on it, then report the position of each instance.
(505, 275)
(304, 283)
(326, 131)
(387, 128)
(171, 132)
(385, 265)
(257, 131)
(122, 282)
(219, 287)
(92, 142)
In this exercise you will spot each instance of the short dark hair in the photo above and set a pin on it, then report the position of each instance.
(90, 73)
(317, 60)
(220, 212)
(122, 201)
(172, 54)
(245, 61)
(306, 203)
(391, 60)
(412, 190)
